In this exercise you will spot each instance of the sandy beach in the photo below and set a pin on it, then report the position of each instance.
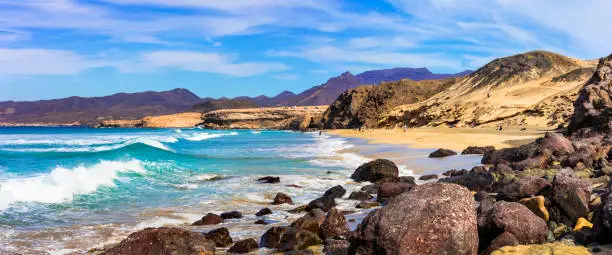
(450, 138)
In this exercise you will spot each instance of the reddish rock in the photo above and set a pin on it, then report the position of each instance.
(360, 196)
(244, 246)
(163, 241)
(298, 239)
(524, 187)
(271, 238)
(504, 239)
(556, 144)
(220, 236)
(515, 219)
(392, 189)
(433, 218)
(209, 219)
(572, 194)
(282, 198)
(334, 224)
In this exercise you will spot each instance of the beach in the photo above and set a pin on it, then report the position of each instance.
(441, 137)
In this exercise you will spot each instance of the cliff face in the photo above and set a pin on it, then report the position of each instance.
(532, 88)
(593, 109)
(366, 105)
(179, 120)
(294, 118)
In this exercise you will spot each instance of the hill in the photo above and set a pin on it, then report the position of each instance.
(87, 111)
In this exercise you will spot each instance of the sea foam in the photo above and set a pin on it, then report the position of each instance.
(62, 184)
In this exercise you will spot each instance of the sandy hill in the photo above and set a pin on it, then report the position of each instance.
(534, 88)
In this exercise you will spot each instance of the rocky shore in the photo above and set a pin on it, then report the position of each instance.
(551, 196)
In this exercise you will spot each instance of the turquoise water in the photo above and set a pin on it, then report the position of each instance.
(70, 189)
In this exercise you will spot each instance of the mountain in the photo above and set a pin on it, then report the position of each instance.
(235, 103)
(85, 111)
(535, 88)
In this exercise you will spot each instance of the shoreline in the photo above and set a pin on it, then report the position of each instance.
(450, 138)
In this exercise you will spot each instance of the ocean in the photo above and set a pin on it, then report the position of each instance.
(65, 190)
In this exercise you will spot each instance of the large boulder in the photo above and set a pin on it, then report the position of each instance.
(220, 236)
(208, 219)
(509, 155)
(592, 109)
(521, 188)
(477, 150)
(433, 218)
(271, 238)
(163, 241)
(572, 194)
(376, 171)
(334, 225)
(324, 203)
(298, 239)
(336, 192)
(472, 180)
(244, 246)
(514, 218)
(441, 153)
(555, 144)
(392, 189)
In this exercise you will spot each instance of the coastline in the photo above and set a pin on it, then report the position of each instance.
(450, 138)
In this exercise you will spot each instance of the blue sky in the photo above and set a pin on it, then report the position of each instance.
(58, 48)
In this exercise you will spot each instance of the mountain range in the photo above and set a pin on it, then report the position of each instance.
(87, 111)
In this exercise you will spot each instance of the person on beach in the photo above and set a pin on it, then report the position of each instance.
(404, 128)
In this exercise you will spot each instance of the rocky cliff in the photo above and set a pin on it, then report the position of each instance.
(294, 118)
(534, 88)
(593, 109)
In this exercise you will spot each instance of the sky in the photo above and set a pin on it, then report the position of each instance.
(60, 48)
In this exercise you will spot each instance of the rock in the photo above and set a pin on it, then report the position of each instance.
(524, 187)
(282, 198)
(509, 155)
(542, 249)
(514, 218)
(335, 192)
(582, 223)
(311, 221)
(220, 236)
(392, 189)
(592, 108)
(336, 247)
(269, 179)
(323, 203)
(163, 241)
(298, 239)
(261, 222)
(536, 205)
(370, 189)
(504, 239)
(407, 179)
(244, 246)
(473, 181)
(433, 218)
(334, 225)
(572, 194)
(299, 209)
(479, 170)
(428, 177)
(454, 172)
(263, 212)
(441, 153)
(360, 196)
(209, 219)
(231, 215)
(367, 205)
(376, 171)
(271, 238)
(300, 252)
(477, 150)
(555, 144)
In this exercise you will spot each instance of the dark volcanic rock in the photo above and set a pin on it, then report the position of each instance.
(521, 188)
(334, 225)
(269, 179)
(505, 156)
(504, 239)
(261, 222)
(435, 218)
(335, 192)
(298, 239)
(473, 181)
(428, 177)
(441, 153)
(163, 241)
(455, 172)
(209, 219)
(592, 109)
(477, 150)
(336, 247)
(220, 236)
(271, 238)
(572, 194)
(360, 196)
(282, 198)
(392, 189)
(263, 212)
(231, 215)
(244, 246)
(311, 221)
(376, 171)
(515, 219)
(323, 203)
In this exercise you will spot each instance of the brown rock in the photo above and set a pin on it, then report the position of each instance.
(220, 236)
(231, 215)
(428, 177)
(360, 196)
(163, 241)
(572, 194)
(477, 150)
(514, 218)
(376, 171)
(298, 239)
(282, 198)
(441, 153)
(264, 211)
(271, 238)
(334, 225)
(336, 247)
(367, 204)
(504, 239)
(392, 189)
(592, 108)
(524, 187)
(433, 218)
(244, 246)
(209, 219)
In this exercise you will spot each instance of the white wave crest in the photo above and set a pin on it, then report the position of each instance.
(205, 136)
(62, 184)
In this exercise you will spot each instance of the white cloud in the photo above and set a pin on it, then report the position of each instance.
(45, 62)
(208, 63)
